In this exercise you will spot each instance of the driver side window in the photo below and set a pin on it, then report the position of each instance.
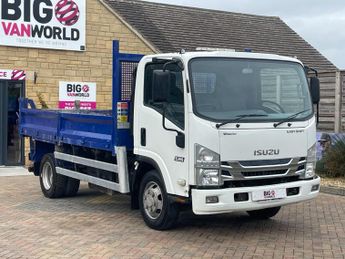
(174, 110)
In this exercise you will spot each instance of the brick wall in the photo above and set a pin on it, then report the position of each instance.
(93, 65)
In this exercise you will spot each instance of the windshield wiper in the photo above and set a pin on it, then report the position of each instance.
(238, 118)
(289, 118)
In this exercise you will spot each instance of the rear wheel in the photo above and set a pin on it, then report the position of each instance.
(72, 187)
(158, 212)
(264, 213)
(52, 184)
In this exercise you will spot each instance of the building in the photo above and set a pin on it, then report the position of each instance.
(51, 47)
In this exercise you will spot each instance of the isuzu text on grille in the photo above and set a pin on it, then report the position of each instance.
(267, 152)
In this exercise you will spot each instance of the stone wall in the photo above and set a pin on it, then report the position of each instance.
(92, 65)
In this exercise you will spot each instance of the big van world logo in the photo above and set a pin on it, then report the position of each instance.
(43, 23)
(78, 90)
(85, 92)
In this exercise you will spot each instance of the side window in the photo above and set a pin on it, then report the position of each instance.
(175, 106)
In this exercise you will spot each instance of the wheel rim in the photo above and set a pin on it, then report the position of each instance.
(153, 200)
(47, 176)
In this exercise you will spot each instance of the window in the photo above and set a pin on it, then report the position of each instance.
(205, 83)
(174, 109)
(283, 86)
(226, 88)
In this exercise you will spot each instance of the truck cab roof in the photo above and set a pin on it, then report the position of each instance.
(225, 54)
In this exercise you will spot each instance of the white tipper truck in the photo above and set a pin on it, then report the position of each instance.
(215, 131)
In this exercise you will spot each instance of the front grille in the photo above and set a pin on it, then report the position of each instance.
(260, 182)
(301, 167)
(249, 163)
(262, 169)
(265, 162)
(263, 173)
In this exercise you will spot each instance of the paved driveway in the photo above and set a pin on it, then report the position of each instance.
(94, 225)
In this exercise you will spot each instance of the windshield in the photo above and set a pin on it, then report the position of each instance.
(225, 88)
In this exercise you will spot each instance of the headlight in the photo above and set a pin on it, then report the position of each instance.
(208, 177)
(207, 167)
(311, 162)
(205, 157)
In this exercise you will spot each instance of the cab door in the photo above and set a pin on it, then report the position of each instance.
(156, 139)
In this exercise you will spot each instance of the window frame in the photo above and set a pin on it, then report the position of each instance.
(157, 109)
(246, 120)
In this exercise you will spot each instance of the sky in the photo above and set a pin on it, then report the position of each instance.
(320, 22)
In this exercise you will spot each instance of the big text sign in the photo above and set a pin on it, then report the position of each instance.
(69, 92)
(49, 24)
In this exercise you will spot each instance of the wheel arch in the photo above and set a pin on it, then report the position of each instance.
(38, 149)
(142, 166)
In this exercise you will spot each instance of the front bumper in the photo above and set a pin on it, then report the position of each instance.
(227, 201)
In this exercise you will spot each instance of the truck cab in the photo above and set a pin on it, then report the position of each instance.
(231, 131)
(214, 131)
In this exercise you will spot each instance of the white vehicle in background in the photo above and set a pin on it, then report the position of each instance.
(220, 131)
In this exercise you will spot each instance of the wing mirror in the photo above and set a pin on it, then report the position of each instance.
(160, 92)
(161, 86)
(180, 140)
(315, 89)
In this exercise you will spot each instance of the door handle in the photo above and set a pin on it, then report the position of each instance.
(143, 137)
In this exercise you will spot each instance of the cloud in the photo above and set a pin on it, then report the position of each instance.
(325, 33)
(321, 23)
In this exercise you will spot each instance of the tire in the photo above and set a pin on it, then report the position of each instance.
(152, 197)
(72, 187)
(52, 184)
(264, 213)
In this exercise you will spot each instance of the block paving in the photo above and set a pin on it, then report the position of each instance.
(94, 225)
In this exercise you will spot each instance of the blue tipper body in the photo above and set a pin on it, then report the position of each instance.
(97, 129)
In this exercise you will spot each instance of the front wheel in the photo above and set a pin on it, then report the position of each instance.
(264, 213)
(158, 212)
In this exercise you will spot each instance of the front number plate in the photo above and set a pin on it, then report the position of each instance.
(270, 194)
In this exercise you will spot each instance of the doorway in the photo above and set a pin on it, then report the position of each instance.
(11, 144)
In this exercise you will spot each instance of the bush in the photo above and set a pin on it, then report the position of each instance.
(333, 162)
(320, 168)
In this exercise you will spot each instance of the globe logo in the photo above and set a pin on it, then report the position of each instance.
(86, 88)
(67, 12)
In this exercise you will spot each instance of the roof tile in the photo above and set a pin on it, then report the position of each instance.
(170, 28)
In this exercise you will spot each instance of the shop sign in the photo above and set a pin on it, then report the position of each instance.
(48, 24)
(85, 93)
(15, 74)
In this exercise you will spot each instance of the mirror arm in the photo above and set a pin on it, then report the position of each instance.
(174, 61)
(163, 121)
(180, 138)
(312, 69)
(167, 64)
